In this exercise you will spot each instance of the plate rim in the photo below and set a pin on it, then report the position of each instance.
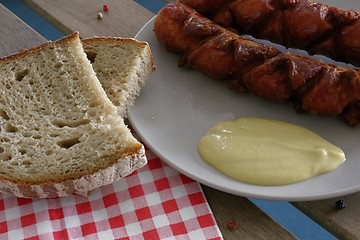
(206, 182)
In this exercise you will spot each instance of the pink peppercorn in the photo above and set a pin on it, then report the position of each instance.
(106, 8)
(232, 225)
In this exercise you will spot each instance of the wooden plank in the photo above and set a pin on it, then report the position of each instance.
(344, 224)
(124, 18)
(252, 222)
(15, 34)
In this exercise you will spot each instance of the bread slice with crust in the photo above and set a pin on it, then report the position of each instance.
(122, 66)
(59, 132)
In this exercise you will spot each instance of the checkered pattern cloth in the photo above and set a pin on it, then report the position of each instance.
(155, 202)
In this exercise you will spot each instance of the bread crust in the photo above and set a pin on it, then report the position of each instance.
(130, 160)
(122, 65)
(134, 41)
(69, 38)
(82, 185)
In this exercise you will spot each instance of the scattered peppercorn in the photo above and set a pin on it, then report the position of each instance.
(106, 8)
(340, 204)
(232, 225)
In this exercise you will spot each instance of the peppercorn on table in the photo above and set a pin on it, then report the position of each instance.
(125, 19)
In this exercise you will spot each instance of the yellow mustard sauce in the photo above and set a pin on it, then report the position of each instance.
(268, 152)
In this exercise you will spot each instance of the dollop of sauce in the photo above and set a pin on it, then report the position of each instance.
(268, 152)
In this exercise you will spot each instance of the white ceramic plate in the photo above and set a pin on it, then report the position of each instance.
(177, 106)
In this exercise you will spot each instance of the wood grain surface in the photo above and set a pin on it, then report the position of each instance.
(252, 222)
(344, 224)
(15, 35)
(123, 19)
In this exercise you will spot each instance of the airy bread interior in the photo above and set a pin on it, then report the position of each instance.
(122, 65)
(56, 122)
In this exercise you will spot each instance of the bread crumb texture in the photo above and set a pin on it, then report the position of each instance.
(121, 77)
(56, 122)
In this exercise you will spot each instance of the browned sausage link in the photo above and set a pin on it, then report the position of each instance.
(206, 7)
(315, 27)
(312, 85)
(206, 46)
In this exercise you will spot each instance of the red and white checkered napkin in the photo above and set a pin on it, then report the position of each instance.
(156, 202)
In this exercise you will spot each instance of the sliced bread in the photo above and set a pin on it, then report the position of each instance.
(122, 66)
(59, 132)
